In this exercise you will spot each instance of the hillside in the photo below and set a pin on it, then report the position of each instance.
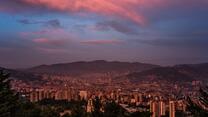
(178, 73)
(136, 71)
(21, 75)
(99, 66)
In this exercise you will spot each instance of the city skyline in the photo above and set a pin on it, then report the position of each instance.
(163, 32)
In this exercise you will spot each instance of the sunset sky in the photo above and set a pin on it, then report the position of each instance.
(164, 32)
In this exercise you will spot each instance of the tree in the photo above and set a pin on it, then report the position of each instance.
(97, 108)
(8, 100)
(180, 114)
(66, 115)
(199, 107)
(140, 114)
(47, 111)
(27, 109)
(78, 110)
(112, 109)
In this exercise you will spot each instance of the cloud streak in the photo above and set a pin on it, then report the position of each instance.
(55, 23)
(120, 8)
(102, 42)
(132, 10)
(117, 26)
(200, 43)
(51, 50)
(105, 7)
(49, 41)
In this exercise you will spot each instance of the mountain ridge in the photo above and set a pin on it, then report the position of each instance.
(133, 71)
(91, 66)
(177, 73)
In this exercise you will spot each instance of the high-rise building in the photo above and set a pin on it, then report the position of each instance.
(140, 98)
(171, 109)
(41, 95)
(157, 108)
(32, 97)
(153, 108)
(83, 95)
(89, 106)
(65, 94)
(162, 108)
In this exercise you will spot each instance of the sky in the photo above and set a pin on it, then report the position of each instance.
(163, 32)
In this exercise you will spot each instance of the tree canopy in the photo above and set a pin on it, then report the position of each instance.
(199, 107)
(8, 99)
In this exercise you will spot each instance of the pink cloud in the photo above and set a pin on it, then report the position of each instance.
(128, 9)
(118, 8)
(41, 40)
(102, 42)
(57, 42)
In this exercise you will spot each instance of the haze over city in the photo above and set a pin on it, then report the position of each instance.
(163, 32)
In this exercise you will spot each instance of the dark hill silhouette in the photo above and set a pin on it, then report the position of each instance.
(21, 75)
(99, 66)
(136, 71)
(178, 73)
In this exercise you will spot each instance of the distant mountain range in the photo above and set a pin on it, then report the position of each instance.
(178, 73)
(99, 66)
(136, 71)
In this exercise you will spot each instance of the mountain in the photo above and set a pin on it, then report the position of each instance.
(99, 66)
(178, 73)
(134, 72)
(197, 71)
(21, 75)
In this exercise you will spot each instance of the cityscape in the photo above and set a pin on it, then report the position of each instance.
(103, 58)
(160, 97)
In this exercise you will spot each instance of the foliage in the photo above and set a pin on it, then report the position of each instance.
(28, 109)
(180, 114)
(97, 108)
(112, 109)
(197, 108)
(8, 100)
(140, 114)
(78, 110)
